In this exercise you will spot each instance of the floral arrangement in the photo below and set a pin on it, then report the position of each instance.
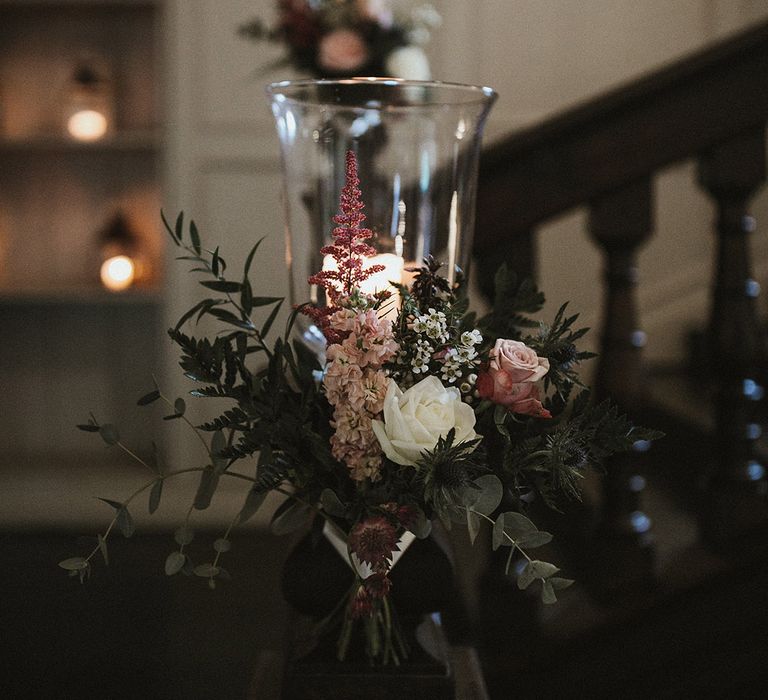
(420, 412)
(343, 38)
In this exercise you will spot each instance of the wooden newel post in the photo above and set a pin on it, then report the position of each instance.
(736, 485)
(620, 223)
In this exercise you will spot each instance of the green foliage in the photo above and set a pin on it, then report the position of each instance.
(513, 300)
(274, 407)
(446, 473)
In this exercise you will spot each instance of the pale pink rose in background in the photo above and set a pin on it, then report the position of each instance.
(379, 11)
(521, 362)
(342, 50)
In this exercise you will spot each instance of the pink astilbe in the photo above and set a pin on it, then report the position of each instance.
(348, 249)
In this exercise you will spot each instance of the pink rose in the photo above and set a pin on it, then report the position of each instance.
(516, 358)
(342, 50)
(510, 378)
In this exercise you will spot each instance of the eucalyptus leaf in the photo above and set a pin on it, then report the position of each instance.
(114, 504)
(534, 539)
(291, 519)
(74, 564)
(209, 481)
(498, 539)
(206, 570)
(455, 514)
(548, 596)
(253, 502)
(154, 496)
(88, 427)
(174, 563)
(218, 445)
(487, 497)
(109, 434)
(222, 545)
(125, 522)
(535, 570)
(148, 398)
(103, 548)
(184, 535)
(180, 406)
(558, 583)
(516, 525)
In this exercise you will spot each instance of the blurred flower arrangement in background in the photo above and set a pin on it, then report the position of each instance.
(344, 38)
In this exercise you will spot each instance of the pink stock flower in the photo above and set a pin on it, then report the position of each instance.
(342, 373)
(354, 442)
(369, 392)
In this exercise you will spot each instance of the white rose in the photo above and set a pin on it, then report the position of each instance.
(408, 62)
(414, 420)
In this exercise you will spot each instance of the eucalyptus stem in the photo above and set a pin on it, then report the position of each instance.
(514, 543)
(135, 456)
(191, 425)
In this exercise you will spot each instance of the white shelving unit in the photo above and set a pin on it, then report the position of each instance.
(69, 346)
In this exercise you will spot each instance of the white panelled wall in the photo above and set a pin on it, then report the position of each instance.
(541, 56)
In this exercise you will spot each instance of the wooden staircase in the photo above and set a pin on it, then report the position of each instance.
(672, 548)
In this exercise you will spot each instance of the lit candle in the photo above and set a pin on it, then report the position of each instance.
(87, 125)
(117, 273)
(379, 281)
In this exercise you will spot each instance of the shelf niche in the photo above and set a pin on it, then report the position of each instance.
(69, 345)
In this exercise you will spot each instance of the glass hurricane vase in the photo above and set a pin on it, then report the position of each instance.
(417, 146)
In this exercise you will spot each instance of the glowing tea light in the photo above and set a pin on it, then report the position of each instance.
(117, 273)
(379, 281)
(87, 125)
(392, 272)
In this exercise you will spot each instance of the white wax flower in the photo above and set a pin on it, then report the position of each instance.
(415, 419)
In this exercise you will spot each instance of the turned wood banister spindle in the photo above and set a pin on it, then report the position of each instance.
(620, 223)
(736, 485)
